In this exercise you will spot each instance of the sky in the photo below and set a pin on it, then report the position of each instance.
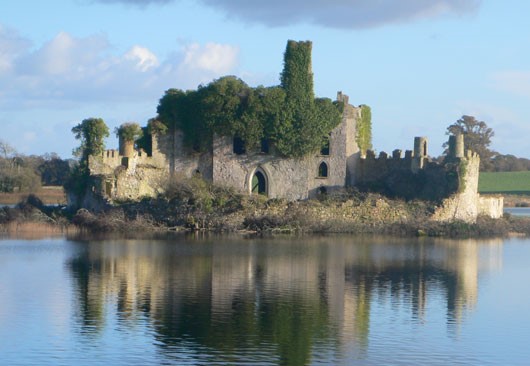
(419, 64)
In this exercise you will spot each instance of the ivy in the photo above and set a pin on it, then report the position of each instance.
(129, 131)
(364, 129)
(462, 171)
(288, 116)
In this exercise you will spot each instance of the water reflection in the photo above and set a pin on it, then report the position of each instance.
(276, 301)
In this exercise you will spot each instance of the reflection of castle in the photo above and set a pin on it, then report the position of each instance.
(218, 294)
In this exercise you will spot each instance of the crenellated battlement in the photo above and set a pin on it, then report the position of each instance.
(415, 175)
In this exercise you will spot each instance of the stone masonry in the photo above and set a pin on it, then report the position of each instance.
(127, 174)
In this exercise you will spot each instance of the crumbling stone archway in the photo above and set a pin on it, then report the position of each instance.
(259, 182)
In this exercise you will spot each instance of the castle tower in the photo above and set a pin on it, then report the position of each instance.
(456, 146)
(420, 154)
(126, 147)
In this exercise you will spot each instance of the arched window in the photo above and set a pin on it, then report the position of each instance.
(259, 183)
(324, 150)
(323, 170)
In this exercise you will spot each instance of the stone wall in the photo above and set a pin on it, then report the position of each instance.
(462, 205)
(413, 176)
(491, 206)
(453, 183)
(119, 177)
(466, 205)
(290, 178)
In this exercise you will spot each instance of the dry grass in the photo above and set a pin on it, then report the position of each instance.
(36, 230)
(49, 195)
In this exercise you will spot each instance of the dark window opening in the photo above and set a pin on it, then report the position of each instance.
(196, 146)
(264, 148)
(239, 146)
(324, 150)
(322, 190)
(323, 170)
(425, 149)
(259, 183)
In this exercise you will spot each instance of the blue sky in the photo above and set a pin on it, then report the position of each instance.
(420, 64)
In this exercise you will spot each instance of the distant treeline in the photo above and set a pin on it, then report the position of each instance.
(508, 163)
(21, 173)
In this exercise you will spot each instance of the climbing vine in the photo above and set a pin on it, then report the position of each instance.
(462, 171)
(288, 115)
(364, 129)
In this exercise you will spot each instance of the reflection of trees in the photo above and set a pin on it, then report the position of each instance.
(90, 301)
(287, 297)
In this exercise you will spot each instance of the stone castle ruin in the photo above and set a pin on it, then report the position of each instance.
(130, 174)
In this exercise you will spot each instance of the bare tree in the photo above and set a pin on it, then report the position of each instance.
(6, 150)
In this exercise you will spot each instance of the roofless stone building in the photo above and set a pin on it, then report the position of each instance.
(130, 174)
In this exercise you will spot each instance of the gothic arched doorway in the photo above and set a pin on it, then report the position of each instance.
(259, 183)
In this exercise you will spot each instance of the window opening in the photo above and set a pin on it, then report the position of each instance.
(259, 183)
(238, 146)
(323, 170)
(324, 150)
(264, 148)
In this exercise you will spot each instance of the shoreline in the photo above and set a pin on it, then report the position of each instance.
(359, 213)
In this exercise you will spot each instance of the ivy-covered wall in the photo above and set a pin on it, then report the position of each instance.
(364, 130)
(288, 116)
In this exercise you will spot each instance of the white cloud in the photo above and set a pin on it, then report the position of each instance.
(68, 71)
(11, 45)
(144, 58)
(211, 58)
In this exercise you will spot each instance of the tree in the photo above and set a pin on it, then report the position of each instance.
(6, 150)
(477, 138)
(289, 116)
(53, 170)
(91, 132)
(129, 131)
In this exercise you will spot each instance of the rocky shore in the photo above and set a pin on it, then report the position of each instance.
(214, 209)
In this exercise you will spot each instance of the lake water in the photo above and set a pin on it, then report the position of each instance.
(517, 211)
(232, 301)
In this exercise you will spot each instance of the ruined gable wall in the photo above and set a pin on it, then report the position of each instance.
(289, 178)
(186, 163)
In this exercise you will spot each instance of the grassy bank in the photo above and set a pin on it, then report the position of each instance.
(194, 205)
(514, 186)
(515, 183)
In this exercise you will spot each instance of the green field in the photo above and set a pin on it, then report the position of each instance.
(504, 182)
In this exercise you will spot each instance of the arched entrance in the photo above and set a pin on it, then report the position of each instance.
(259, 183)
